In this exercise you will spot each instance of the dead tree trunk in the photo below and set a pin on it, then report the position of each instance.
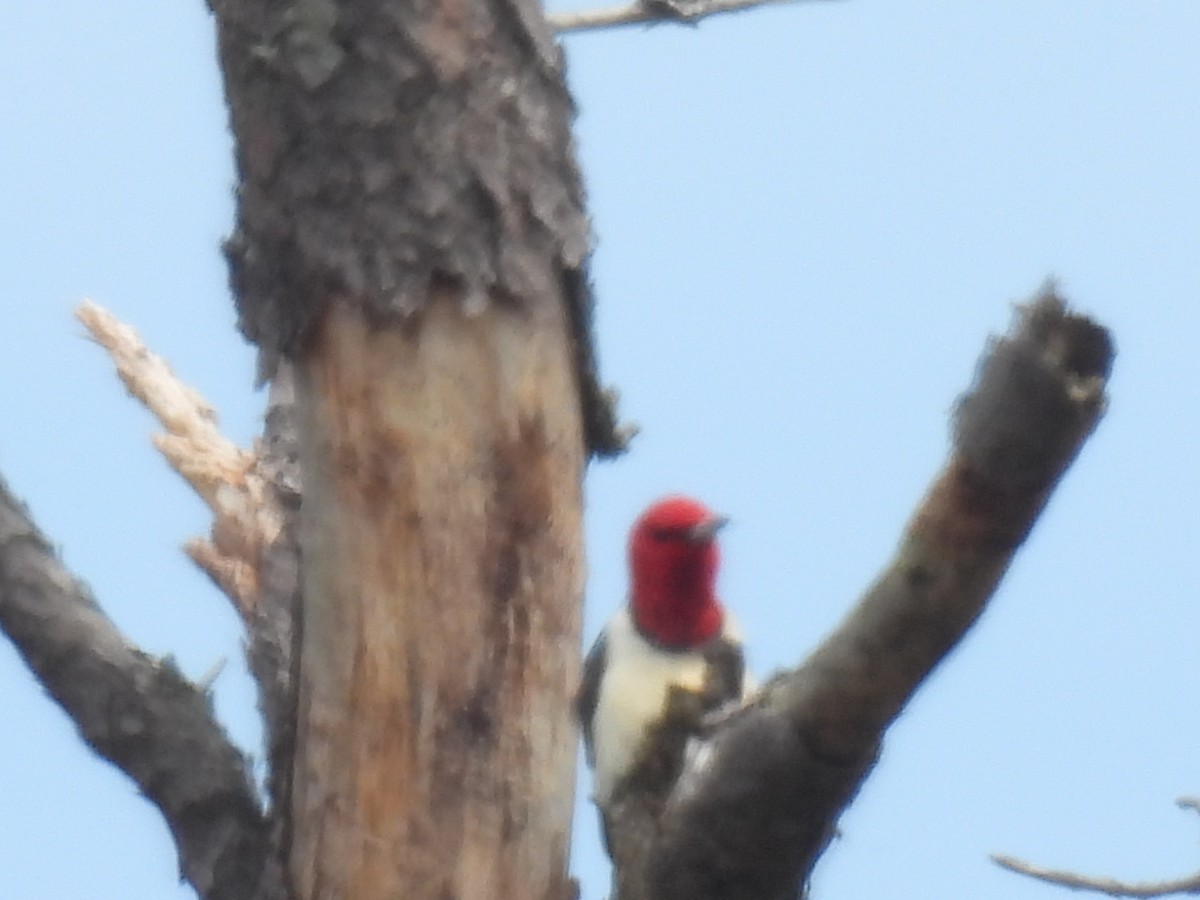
(411, 236)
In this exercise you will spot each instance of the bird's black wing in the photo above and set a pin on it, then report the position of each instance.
(589, 693)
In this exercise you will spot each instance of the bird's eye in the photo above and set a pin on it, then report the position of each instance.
(664, 534)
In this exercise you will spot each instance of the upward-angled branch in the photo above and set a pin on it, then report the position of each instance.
(757, 805)
(137, 712)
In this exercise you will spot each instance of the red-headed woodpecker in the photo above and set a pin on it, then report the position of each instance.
(672, 632)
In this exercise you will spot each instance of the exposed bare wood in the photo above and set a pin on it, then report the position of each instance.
(441, 615)
(137, 712)
(756, 806)
(246, 514)
(650, 12)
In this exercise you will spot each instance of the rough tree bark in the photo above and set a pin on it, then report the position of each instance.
(441, 530)
(138, 712)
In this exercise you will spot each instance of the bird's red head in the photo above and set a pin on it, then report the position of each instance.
(673, 560)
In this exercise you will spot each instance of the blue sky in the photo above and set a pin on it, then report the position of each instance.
(808, 218)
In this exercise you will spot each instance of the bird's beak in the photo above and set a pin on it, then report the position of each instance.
(705, 531)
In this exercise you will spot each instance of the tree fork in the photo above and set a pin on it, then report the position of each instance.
(748, 818)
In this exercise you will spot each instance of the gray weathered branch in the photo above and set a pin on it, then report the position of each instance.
(137, 712)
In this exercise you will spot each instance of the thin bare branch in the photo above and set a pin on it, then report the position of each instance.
(650, 12)
(1189, 884)
(137, 712)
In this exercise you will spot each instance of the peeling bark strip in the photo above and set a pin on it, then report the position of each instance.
(749, 819)
(385, 145)
(137, 712)
(441, 533)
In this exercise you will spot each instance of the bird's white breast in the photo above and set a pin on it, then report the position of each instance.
(633, 693)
